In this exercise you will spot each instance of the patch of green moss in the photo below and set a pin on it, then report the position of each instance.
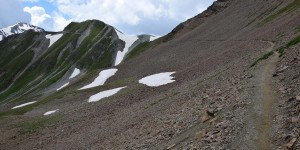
(160, 100)
(287, 9)
(297, 29)
(25, 109)
(138, 50)
(281, 51)
(36, 125)
(264, 57)
(170, 35)
(265, 13)
(293, 42)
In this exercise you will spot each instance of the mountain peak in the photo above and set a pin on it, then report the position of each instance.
(17, 29)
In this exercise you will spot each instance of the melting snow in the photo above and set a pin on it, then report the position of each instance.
(100, 80)
(63, 86)
(158, 79)
(152, 38)
(25, 104)
(75, 73)
(18, 28)
(129, 40)
(53, 38)
(50, 112)
(104, 94)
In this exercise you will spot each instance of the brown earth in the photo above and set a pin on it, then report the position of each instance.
(212, 62)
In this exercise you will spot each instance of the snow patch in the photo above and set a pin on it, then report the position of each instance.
(104, 94)
(75, 73)
(25, 104)
(63, 86)
(53, 38)
(100, 80)
(158, 79)
(129, 40)
(17, 29)
(152, 38)
(50, 112)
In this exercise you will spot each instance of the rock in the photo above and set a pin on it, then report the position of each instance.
(288, 136)
(298, 98)
(283, 90)
(294, 60)
(213, 120)
(295, 119)
(281, 78)
(200, 135)
(250, 76)
(291, 143)
(282, 69)
(211, 111)
(171, 146)
(207, 115)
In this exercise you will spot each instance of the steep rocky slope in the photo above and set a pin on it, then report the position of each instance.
(236, 87)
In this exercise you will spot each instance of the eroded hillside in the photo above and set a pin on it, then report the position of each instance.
(226, 79)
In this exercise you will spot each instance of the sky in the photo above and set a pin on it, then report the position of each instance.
(156, 17)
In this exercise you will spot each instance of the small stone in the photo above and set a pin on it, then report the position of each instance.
(171, 146)
(282, 69)
(200, 135)
(295, 119)
(281, 78)
(211, 111)
(294, 60)
(291, 143)
(207, 115)
(283, 90)
(298, 98)
(288, 136)
(213, 120)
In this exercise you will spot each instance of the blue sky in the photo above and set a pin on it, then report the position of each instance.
(156, 17)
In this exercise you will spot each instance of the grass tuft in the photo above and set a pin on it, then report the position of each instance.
(138, 50)
(287, 9)
(33, 126)
(293, 42)
(264, 57)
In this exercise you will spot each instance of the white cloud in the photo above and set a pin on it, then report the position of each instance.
(122, 13)
(59, 22)
(39, 17)
(132, 17)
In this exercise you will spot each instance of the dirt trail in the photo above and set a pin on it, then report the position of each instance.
(265, 118)
(257, 133)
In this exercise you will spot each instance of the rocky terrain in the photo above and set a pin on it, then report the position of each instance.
(235, 86)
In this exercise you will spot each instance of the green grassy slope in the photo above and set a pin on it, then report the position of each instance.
(96, 51)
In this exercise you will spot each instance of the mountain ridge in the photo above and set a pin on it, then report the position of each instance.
(225, 79)
(76, 36)
(17, 29)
